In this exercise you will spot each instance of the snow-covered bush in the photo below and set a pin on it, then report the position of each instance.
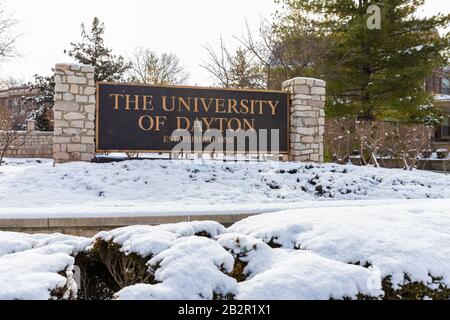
(363, 251)
(118, 258)
(442, 153)
(38, 267)
(426, 154)
(376, 141)
(43, 115)
(251, 255)
(303, 275)
(38, 274)
(193, 268)
(43, 118)
(436, 289)
(407, 245)
(197, 188)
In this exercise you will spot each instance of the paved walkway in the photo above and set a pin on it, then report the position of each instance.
(91, 226)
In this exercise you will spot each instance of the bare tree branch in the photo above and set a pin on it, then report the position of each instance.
(7, 37)
(218, 64)
(10, 136)
(148, 67)
(237, 70)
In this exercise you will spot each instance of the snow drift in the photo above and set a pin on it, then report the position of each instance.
(38, 267)
(371, 252)
(160, 188)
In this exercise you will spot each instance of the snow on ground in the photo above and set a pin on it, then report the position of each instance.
(31, 189)
(395, 240)
(314, 253)
(330, 232)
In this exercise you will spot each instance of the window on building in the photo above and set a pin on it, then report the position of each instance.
(445, 87)
(445, 129)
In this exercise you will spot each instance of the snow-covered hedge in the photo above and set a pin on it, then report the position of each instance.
(38, 267)
(359, 252)
(192, 268)
(140, 188)
(442, 153)
(405, 249)
(119, 258)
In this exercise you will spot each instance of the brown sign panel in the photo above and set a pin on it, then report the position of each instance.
(142, 118)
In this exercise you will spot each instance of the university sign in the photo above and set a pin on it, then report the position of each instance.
(147, 118)
(104, 117)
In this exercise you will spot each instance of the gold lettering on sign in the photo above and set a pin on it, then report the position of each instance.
(147, 104)
(129, 102)
(249, 125)
(232, 104)
(160, 121)
(164, 104)
(220, 106)
(273, 105)
(141, 123)
(237, 126)
(208, 123)
(186, 122)
(261, 106)
(183, 103)
(116, 99)
(244, 106)
(252, 106)
(206, 107)
(221, 123)
(194, 105)
(154, 123)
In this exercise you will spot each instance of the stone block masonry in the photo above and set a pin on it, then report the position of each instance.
(307, 118)
(74, 113)
(32, 144)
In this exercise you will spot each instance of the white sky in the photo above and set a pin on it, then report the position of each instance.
(177, 26)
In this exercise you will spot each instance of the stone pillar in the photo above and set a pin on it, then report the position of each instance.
(74, 113)
(307, 117)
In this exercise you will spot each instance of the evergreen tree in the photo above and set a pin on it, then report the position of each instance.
(377, 73)
(44, 100)
(91, 50)
(235, 69)
(244, 73)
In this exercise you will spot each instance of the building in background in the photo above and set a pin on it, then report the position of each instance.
(19, 100)
(439, 85)
(25, 103)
